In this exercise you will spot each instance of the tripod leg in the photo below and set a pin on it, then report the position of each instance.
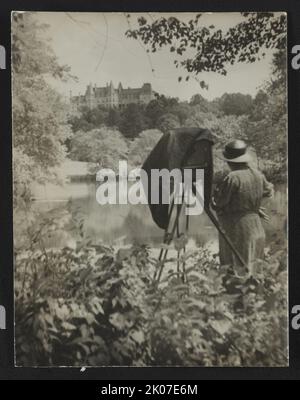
(187, 225)
(171, 238)
(178, 251)
(166, 239)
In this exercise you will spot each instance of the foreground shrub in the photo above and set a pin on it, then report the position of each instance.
(95, 306)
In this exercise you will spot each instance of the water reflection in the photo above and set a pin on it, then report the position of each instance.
(126, 224)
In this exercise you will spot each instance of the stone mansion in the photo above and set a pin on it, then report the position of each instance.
(111, 97)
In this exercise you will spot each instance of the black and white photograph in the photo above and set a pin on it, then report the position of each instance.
(150, 189)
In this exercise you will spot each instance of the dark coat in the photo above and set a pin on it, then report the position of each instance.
(237, 202)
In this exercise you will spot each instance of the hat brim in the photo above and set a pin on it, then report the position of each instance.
(245, 158)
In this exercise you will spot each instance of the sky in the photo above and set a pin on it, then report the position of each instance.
(94, 45)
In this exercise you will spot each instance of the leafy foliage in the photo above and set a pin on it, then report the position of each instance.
(221, 320)
(79, 308)
(90, 119)
(267, 124)
(236, 104)
(213, 49)
(168, 122)
(132, 120)
(199, 48)
(259, 121)
(103, 146)
(31, 54)
(98, 306)
(141, 146)
(39, 114)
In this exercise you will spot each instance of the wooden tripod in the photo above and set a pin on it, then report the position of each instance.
(169, 236)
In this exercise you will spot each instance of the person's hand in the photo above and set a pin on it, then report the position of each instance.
(263, 215)
(213, 203)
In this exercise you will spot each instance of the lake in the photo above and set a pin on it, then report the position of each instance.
(121, 225)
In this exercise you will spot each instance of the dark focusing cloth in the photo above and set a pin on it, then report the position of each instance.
(169, 153)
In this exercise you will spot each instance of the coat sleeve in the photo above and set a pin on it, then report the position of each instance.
(224, 192)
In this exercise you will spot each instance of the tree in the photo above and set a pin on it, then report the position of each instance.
(113, 118)
(224, 128)
(198, 100)
(158, 107)
(257, 112)
(199, 104)
(80, 124)
(213, 49)
(102, 146)
(31, 53)
(236, 104)
(132, 120)
(89, 119)
(39, 114)
(199, 48)
(181, 111)
(168, 122)
(97, 116)
(267, 126)
(142, 145)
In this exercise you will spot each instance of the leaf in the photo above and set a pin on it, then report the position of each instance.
(138, 336)
(97, 306)
(100, 341)
(89, 317)
(85, 333)
(49, 319)
(198, 275)
(68, 326)
(180, 287)
(221, 326)
(198, 303)
(62, 312)
(118, 321)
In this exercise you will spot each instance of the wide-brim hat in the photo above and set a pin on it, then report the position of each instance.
(236, 152)
(242, 159)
